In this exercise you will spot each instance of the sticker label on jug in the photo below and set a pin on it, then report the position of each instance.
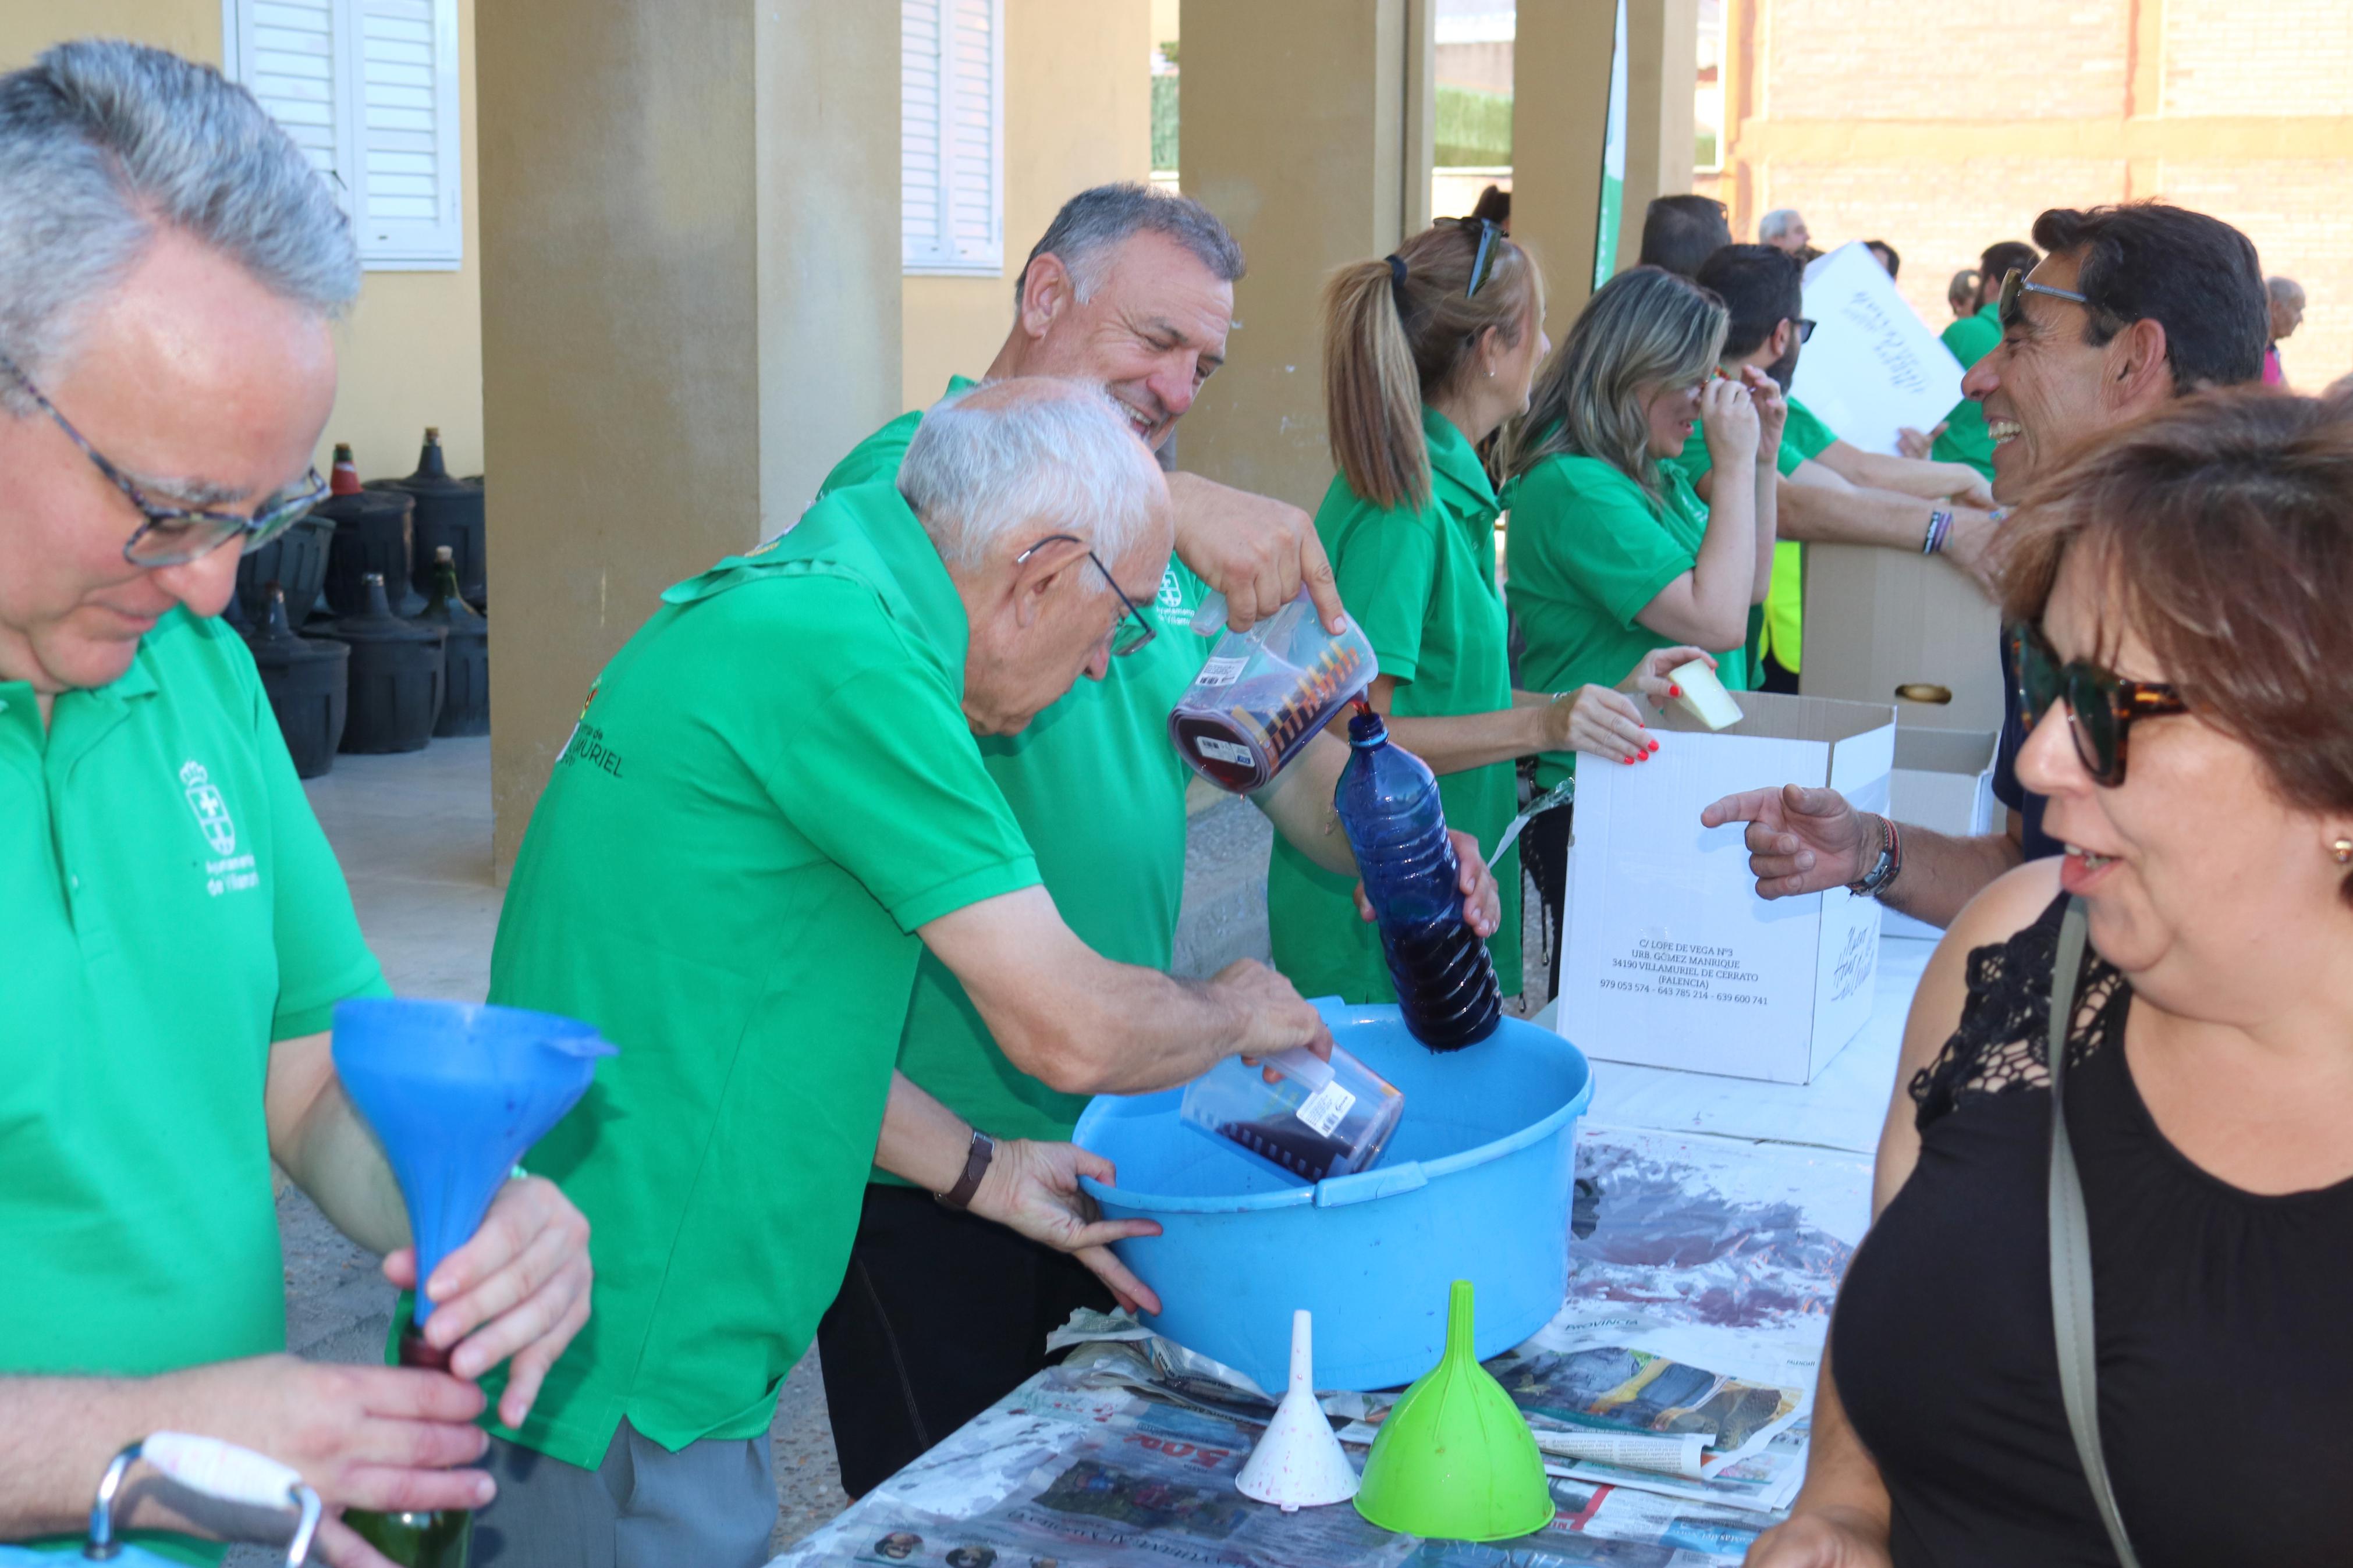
(1213, 750)
(1221, 673)
(1324, 1110)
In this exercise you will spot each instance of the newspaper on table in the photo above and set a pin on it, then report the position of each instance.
(1699, 1294)
(1872, 366)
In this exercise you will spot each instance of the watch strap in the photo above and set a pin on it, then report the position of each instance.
(975, 1166)
(1884, 869)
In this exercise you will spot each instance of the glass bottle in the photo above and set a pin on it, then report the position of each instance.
(442, 1538)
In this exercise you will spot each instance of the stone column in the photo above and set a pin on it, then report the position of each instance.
(1662, 79)
(1560, 115)
(1308, 130)
(691, 288)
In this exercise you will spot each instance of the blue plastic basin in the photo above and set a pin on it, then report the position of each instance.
(1475, 1186)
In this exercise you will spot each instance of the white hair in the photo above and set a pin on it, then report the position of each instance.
(1776, 224)
(102, 145)
(2287, 291)
(1021, 458)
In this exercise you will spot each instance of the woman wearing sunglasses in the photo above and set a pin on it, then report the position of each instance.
(1426, 354)
(2182, 643)
(1620, 572)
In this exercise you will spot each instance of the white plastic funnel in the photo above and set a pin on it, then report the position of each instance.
(1299, 1463)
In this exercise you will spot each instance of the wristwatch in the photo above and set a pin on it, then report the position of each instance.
(1889, 862)
(976, 1165)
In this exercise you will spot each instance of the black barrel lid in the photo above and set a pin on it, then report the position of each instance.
(432, 476)
(276, 643)
(379, 624)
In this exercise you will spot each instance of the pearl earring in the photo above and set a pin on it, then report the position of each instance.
(2343, 850)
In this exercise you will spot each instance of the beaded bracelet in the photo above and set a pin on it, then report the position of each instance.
(1940, 523)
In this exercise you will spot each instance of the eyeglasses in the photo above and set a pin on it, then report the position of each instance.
(1132, 631)
(1482, 264)
(2101, 706)
(1805, 334)
(2014, 284)
(173, 535)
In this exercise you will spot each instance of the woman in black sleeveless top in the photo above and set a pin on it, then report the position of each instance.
(2185, 595)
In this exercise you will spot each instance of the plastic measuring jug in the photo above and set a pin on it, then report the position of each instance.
(1264, 692)
(1318, 1119)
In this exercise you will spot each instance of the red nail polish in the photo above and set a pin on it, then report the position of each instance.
(1655, 745)
(1674, 691)
(1629, 762)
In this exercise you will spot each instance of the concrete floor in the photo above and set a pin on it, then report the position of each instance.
(413, 835)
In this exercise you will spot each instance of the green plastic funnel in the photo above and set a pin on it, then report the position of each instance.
(1454, 1460)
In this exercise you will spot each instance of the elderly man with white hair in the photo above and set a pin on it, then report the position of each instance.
(2286, 297)
(1783, 230)
(772, 803)
(176, 931)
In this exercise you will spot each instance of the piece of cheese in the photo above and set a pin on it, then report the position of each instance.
(1703, 696)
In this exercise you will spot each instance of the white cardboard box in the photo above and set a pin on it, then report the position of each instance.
(1671, 959)
(1942, 780)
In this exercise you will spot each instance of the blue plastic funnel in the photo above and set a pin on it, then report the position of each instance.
(456, 1091)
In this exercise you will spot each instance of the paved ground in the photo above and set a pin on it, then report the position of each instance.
(413, 834)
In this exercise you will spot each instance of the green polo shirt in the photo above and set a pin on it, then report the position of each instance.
(1966, 439)
(1421, 585)
(1099, 792)
(772, 786)
(1590, 550)
(172, 910)
(1780, 624)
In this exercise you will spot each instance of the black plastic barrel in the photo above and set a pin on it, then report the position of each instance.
(296, 561)
(308, 680)
(397, 677)
(449, 513)
(466, 669)
(372, 536)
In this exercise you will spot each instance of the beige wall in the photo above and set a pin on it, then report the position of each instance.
(1078, 112)
(412, 348)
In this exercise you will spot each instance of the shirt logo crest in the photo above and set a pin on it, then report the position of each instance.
(212, 812)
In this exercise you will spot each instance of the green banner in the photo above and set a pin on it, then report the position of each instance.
(1613, 163)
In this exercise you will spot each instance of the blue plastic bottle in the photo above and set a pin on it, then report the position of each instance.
(1388, 806)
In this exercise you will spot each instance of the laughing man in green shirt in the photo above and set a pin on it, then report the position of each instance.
(772, 803)
(177, 932)
(940, 1314)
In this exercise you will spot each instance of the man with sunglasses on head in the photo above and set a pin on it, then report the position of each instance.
(940, 1315)
(177, 934)
(2130, 307)
(1829, 492)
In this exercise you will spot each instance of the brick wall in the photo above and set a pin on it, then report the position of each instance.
(1941, 130)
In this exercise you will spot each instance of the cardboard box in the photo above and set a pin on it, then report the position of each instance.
(1671, 959)
(1894, 626)
(1942, 780)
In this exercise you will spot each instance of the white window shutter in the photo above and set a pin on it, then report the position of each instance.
(369, 90)
(951, 135)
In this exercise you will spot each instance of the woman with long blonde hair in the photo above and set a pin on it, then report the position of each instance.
(1426, 352)
(1615, 562)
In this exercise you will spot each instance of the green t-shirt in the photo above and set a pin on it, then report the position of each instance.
(772, 786)
(1421, 586)
(172, 910)
(1777, 626)
(1590, 550)
(1099, 792)
(1965, 439)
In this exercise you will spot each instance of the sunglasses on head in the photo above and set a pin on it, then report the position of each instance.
(1482, 264)
(2101, 706)
(2014, 286)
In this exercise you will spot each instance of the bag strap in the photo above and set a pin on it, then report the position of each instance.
(2071, 1252)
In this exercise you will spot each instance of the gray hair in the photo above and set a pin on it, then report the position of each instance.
(103, 144)
(1094, 223)
(2287, 291)
(1033, 454)
(1776, 224)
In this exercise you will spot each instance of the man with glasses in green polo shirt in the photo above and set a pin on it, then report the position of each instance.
(1829, 491)
(940, 1315)
(177, 934)
(787, 808)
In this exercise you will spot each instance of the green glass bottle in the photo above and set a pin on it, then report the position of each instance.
(443, 1538)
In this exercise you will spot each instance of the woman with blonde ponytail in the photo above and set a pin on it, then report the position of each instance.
(1616, 564)
(1426, 352)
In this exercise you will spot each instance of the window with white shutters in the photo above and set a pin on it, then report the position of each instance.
(369, 90)
(951, 135)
